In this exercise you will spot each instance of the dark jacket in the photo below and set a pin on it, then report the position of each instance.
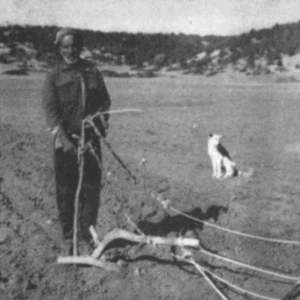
(62, 95)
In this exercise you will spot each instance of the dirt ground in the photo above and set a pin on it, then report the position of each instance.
(260, 125)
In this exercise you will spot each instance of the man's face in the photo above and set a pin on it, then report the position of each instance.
(68, 50)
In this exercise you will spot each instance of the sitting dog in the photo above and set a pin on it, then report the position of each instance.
(222, 164)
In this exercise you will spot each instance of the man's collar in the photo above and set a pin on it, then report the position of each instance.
(79, 65)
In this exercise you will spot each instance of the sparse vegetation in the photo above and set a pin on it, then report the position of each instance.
(257, 50)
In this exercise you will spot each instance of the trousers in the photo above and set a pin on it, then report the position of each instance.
(66, 180)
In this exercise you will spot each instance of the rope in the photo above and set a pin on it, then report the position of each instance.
(271, 240)
(117, 111)
(237, 232)
(237, 287)
(290, 278)
(109, 147)
(93, 152)
(211, 283)
(119, 160)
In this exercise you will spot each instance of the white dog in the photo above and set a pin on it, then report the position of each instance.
(222, 164)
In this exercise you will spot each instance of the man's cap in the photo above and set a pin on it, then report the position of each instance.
(67, 31)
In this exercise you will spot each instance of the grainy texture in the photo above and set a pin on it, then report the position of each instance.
(260, 125)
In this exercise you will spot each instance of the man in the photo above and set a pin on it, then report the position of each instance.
(73, 90)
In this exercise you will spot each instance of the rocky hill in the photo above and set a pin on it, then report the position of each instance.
(256, 52)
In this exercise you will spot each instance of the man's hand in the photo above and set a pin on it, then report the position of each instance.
(70, 149)
(67, 145)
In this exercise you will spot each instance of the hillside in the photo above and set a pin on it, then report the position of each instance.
(256, 52)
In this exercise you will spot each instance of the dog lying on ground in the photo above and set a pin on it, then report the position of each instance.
(222, 164)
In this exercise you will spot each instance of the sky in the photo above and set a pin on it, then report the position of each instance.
(202, 17)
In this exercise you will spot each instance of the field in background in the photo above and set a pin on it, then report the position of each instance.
(261, 129)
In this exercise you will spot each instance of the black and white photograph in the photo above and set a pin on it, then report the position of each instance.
(150, 150)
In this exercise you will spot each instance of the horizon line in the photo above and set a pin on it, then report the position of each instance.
(7, 23)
